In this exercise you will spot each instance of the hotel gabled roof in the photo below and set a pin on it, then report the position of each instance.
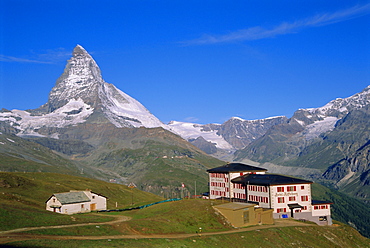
(236, 167)
(269, 180)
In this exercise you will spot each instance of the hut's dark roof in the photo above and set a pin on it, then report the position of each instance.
(236, 167)
(72, 197)
(268, 180)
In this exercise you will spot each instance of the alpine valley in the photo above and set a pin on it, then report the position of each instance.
(90, 127)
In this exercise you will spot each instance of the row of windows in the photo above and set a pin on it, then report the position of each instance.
(218, 184)
(239, 195)
(283, 210)
(238, 186)
(289, 188)
(257, 188)
(219, 193)
(257, 198)
(218, 175)
(292, 198)
(321, 207)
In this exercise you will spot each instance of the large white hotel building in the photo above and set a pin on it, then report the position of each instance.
(287, 196)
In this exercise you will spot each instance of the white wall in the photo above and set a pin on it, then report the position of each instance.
(100, 201)
(53, 201)
(228, 189)
(76, 208)
(321, 212)
(256, 195)
(219, 184)
(298, 193)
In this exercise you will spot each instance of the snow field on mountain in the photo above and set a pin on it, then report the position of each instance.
(193, 131)
(59, 118)
(121, 104)
(318, 127)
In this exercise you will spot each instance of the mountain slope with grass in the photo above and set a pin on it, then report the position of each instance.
(177, 224)
(18, 154)
(23, 197)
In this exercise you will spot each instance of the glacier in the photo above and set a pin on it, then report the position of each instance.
(192, 131)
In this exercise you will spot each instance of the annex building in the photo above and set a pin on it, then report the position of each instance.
(286, 196)
(76, 202)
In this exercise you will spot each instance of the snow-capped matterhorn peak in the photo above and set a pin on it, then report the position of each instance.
(80, 93)
(81, 79)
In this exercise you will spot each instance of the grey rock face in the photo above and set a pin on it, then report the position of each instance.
(81, 79)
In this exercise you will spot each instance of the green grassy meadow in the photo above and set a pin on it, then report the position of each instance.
(23, 197)
(310, 236)
(22, 204)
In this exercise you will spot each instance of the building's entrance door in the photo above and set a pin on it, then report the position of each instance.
(93, 206)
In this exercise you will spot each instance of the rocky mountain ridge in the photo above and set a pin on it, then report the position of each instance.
(236, 133)
(333, 139)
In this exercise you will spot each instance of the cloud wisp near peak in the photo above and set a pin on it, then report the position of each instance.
(258, 32)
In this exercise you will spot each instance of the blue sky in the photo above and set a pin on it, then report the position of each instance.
(199, 61)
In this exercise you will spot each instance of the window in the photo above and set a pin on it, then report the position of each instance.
(302, 187)
(281, 210)
(93, 196)
(280, 189)
(291, 188)
(291, 198)
(304, 198)
(280, 199)
(321, 207)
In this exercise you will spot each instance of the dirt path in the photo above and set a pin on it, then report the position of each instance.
(117, 220)
(14, 235)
